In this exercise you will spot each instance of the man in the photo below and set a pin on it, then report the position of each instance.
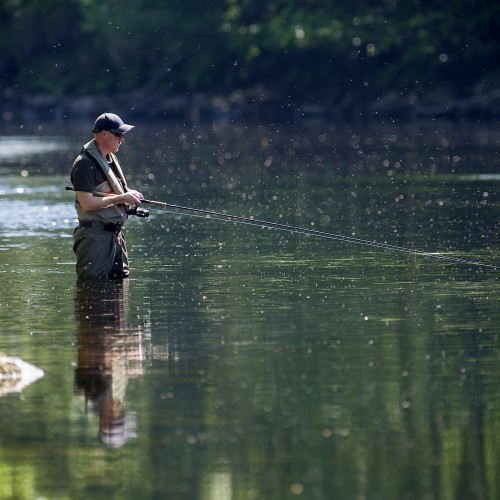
(101, 202)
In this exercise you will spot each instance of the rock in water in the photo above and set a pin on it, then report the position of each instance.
(16, 374)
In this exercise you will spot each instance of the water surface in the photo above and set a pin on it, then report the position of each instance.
(246, 362)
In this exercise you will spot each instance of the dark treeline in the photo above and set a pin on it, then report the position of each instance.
(323, 54)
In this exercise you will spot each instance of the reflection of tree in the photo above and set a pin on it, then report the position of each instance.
(455, 401)
(180, 393)
(110, 352)
(473, 482)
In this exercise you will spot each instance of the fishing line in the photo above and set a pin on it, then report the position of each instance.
(207, 214)
(326, 235)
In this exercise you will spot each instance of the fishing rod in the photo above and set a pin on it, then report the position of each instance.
(307, 231)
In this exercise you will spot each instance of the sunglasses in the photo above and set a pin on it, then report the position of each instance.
(117, 134)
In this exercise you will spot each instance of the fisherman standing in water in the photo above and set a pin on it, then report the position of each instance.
(99, 243)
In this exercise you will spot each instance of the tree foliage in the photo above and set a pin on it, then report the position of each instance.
(312, 49)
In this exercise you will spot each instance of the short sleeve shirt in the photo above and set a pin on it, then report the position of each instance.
(86, 175)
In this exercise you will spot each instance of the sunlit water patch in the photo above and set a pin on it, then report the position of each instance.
(33, 207)
(480, 177)
(26, 218)
(17, 147)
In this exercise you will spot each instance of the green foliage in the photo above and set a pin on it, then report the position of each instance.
(316, 49)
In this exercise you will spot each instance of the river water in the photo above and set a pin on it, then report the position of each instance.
(247, 362)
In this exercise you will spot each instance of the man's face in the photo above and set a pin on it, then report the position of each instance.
(113, 141)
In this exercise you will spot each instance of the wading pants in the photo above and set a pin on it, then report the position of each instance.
(101, 250)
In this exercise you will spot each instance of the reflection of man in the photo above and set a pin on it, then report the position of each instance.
(109, 353)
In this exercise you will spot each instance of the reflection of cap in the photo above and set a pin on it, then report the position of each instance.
(115, 433)
(111, 122)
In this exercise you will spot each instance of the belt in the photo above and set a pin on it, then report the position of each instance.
(113, 227)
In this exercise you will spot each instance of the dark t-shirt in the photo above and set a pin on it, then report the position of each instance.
(86, 175)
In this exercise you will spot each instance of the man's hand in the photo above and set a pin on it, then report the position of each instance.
(132, 197)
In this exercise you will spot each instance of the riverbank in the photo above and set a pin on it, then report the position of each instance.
(253, 105)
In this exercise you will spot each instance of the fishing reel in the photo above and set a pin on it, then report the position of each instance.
(138, 212)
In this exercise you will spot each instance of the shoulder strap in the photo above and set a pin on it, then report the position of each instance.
(118, 170)
(112, 171)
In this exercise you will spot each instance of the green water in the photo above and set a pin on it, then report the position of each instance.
(242, 362)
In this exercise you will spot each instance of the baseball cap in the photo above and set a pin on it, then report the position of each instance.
(111, 122)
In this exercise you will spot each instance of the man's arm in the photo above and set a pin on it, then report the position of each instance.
(89, 202)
